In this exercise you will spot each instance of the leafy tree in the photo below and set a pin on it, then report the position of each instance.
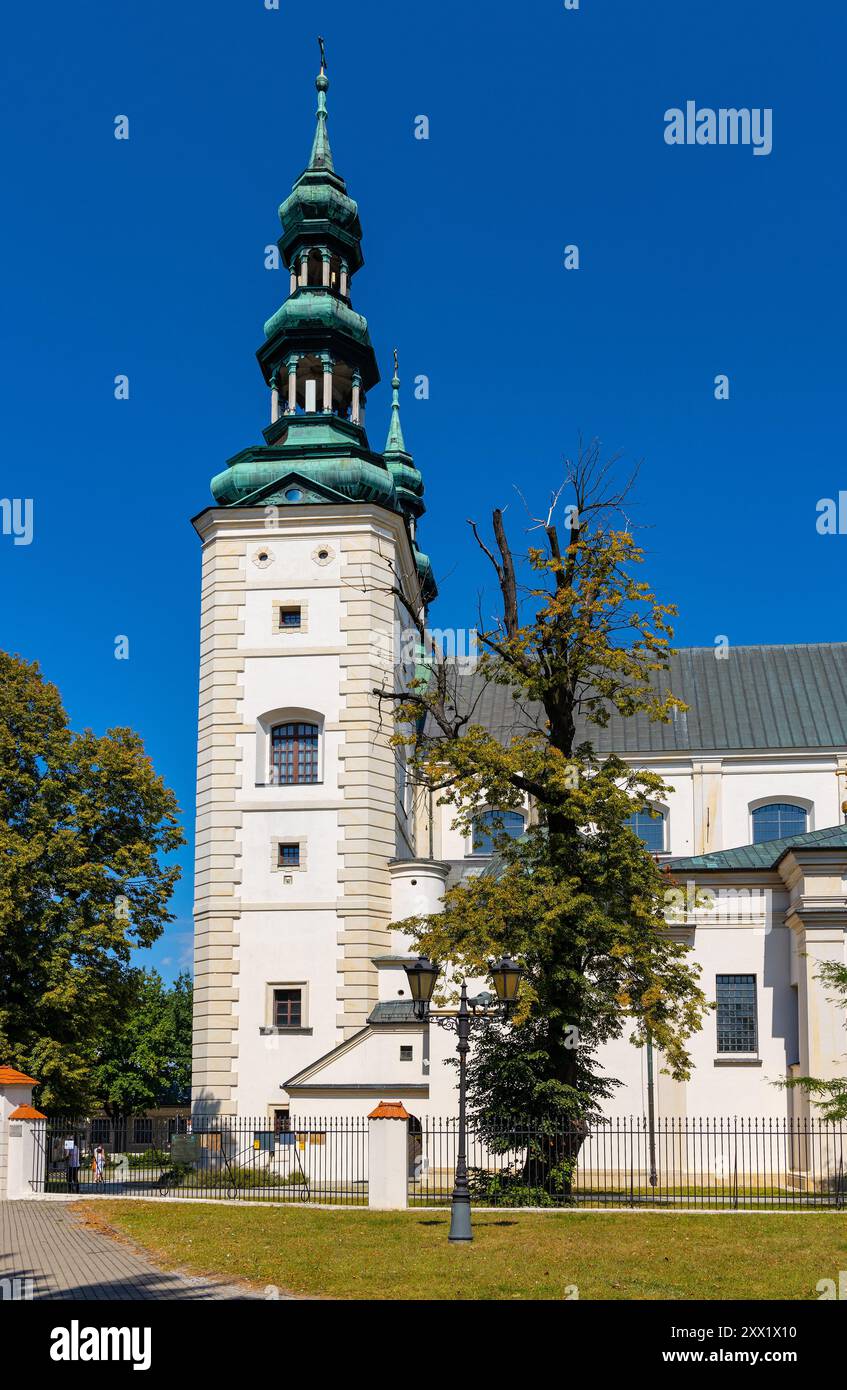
(84, 820)
(829, 1095)
(146, 1060)
(578, 900)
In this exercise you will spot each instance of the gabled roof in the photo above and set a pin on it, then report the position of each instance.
(755, 697)
(308, 1073)
(767, 854)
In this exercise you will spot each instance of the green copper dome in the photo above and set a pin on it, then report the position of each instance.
(314, 307)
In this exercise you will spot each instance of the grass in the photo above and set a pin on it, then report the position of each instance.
(359, 1254)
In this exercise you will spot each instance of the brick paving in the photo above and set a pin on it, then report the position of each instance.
(47, 1243)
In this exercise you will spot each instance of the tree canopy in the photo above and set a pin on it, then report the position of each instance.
(578, 638)
(146, 1060)
(85, 824)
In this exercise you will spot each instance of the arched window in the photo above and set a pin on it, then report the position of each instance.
(294, 754)
(778, 820)
(650, 829)
(490, 824)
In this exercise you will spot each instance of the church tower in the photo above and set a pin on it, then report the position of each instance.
(301, 800)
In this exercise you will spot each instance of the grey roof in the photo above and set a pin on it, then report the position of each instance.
(394, 1011)
(767, 854)
(756, 697)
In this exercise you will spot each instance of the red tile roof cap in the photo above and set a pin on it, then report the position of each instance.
(10, 1076)
(390, 1110)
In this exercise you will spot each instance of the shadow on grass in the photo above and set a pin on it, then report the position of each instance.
(477, 1222)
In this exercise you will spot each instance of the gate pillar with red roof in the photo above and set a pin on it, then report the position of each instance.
(21, 1134)
(388, 1156)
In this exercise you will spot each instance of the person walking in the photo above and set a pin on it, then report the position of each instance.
(99, 1163)
(72, 1160)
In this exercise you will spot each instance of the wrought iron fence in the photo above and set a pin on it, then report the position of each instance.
(315, 1160)
(723, 1163)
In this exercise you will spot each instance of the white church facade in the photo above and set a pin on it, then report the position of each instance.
(310, 840)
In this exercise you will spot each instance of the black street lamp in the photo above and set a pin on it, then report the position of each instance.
(506, 978)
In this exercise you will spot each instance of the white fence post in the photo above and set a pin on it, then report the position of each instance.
(388, 1156)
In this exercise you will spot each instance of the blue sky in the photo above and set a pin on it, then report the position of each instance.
(145, 257)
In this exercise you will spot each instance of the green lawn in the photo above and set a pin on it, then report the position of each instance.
(355, 1253)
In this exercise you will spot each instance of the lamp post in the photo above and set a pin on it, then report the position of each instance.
(505, 976)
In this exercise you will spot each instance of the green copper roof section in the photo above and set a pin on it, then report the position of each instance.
(394, 1011)
(347, 472)
(321, 157)
(314, 456)
(395, 442)
(767, 854)
(407, 479)
(318, 207)
(316, 307)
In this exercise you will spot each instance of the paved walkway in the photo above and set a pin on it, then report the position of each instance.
(47, 1243)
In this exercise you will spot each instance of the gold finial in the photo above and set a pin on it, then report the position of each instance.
(323, 53)
(396, 364)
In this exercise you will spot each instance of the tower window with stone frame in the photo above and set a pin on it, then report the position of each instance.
(295, 752)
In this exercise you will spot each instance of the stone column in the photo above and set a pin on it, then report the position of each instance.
(327, 366)
(304, 268)
(357, 392)
(274, 398)
(343, 285)
(388, 1156)
(291, 363)
(822, 1038)
(325, 268)
(817, 916)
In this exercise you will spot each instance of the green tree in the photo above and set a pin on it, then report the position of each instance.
(579, 900)
(84, 820)
(146, 1060)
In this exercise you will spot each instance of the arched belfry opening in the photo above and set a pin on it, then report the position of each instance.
(314, 267)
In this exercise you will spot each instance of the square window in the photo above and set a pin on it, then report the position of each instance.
(290, 617)
(288, 856)
(288, 1008)
(406, 1054)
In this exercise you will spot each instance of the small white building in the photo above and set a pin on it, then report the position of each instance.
(309, 840)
